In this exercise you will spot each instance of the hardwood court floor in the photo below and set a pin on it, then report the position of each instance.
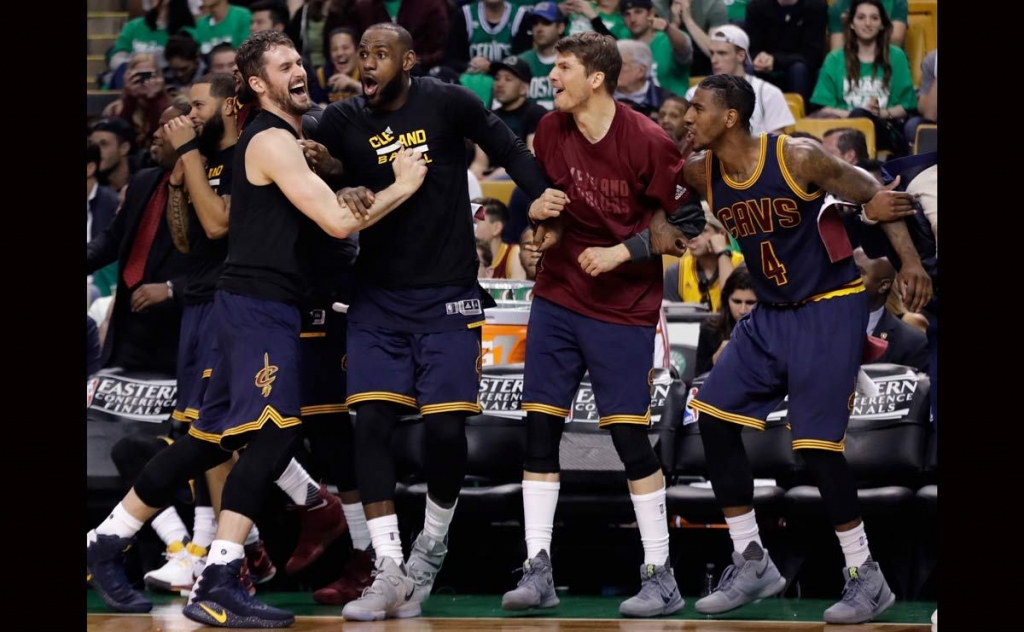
(446, 613)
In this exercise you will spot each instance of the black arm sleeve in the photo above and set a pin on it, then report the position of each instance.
(672, 284)
(501, 145)
(599, 26)
(456, 52)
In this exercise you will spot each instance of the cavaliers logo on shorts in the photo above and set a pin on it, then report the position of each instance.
(266, 376)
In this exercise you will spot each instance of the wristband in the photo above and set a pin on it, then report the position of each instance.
(187, 147)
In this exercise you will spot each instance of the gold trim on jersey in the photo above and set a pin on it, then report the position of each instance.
(323, 409)
(313, 334)
(642, 420)
(384, 396)
(479, 323)
(547, 410)
(204, 436)
(749, 182)
(803, 195)
(853, 287)
(450, 407)
(817, 444)
(268, 414)
(192, 413)
(207, 373)
(708, 162)
(743, 420)
(180, 416)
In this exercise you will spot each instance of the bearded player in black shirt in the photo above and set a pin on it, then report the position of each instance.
(414, 324)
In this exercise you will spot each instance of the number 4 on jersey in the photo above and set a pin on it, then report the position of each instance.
(771, 266)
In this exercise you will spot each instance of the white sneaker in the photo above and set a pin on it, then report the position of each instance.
(179, 572)
(935, 620)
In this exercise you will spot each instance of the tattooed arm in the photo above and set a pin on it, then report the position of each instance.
(177, 218)
(809, 164)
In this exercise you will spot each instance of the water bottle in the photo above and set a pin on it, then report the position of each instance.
(707, 585)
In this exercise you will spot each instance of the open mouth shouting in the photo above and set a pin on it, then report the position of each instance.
(370, 86)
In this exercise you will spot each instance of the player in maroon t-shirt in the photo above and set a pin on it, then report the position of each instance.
(614, 170)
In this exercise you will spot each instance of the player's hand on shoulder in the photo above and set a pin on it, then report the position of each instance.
(550, 204)
(595, 260)
(888, 205)
(358, 200)
(410, 168)
(319, 159)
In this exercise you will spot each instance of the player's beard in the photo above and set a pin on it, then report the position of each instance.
(283, 100)
(391, 91)
(212, 134)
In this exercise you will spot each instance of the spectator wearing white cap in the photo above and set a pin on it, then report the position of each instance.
(729, 46)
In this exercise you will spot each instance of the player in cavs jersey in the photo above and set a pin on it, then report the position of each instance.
(805, 338)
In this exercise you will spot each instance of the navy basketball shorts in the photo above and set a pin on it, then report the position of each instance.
(811, 352)
(322, 361)
(432, 372)
(257, 375)
(562, 345)
(197, 353)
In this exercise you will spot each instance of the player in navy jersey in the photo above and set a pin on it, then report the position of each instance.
(805, 338)
(415, 318)
(614, 171)
(253, 399)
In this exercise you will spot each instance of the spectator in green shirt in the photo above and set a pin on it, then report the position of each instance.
(839, 20)
(868, 78)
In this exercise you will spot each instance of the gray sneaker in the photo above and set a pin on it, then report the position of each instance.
(424, 564)
(865, 596)
(536, 589)
(390, 596)
(658, 594)
(751, 576)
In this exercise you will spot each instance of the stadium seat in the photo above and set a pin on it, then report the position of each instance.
(796, 104)
(498, 189)
(818, 127)
(926, 139)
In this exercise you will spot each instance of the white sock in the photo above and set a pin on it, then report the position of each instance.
(437, 519)
(298, 484)
(743, 530)
(119, 523)
(356, 519)
(224, 552)
(539, 501)
(855, 545)
(385, 537)
(169, 527)
(650, 517)
(204, 527)
(254, 535)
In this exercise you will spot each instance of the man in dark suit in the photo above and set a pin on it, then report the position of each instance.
(907, 346)
(144, 327)
(101, 201)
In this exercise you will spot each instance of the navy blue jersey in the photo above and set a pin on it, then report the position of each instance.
(776, 225)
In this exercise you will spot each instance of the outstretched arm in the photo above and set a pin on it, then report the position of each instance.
(273, 156)
(810, 163)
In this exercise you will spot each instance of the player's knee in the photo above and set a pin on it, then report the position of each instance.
(375, 423)
(446, 433)
(130, 454)
(543, 434)
(187, 458)
(634, 449)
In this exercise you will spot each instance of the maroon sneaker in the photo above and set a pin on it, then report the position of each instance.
(355, 577)
(260, 566)
(321, 524)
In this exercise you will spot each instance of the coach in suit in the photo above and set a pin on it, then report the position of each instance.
(907, 346)
(144, 326)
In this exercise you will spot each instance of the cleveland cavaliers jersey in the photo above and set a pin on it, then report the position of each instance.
(776, 225)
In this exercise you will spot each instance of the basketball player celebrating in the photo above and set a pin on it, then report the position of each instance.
(414, 321)
(616, 170)
(805, 338)
(256, 379)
